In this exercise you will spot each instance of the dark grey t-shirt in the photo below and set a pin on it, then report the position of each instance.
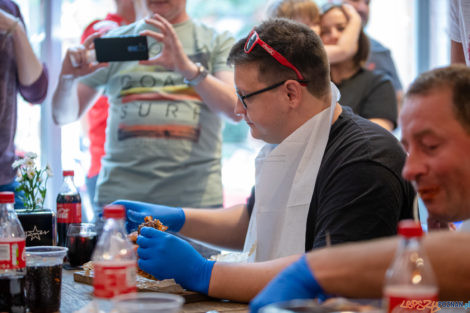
(370, 95)
(380, 60)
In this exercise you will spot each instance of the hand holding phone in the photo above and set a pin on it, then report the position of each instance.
(90, 58)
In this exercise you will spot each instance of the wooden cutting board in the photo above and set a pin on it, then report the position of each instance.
(149, 285)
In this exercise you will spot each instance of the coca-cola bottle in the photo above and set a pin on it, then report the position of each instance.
(410, 284)
(12, 257)
(69, 207)
(114, 259)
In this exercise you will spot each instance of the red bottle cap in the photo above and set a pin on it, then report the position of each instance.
(114, 211)
(68, 173)
(410, 228)
(7, 197)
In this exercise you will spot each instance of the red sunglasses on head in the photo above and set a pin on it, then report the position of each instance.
(253, 39)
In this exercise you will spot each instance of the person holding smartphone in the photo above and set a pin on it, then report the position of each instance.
(163, 137)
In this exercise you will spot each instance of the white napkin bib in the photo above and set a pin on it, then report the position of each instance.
(285, 180)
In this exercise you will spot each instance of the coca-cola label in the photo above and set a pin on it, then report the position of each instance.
(422, 304)
(12, 254)
(112, 279)
(69, 213)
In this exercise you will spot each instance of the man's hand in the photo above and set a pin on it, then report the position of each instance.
(76, 61)
(171, 217)
(172, 56)
(166, 256)
(294, 282)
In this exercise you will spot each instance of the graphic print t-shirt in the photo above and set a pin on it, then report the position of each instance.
(163, 144)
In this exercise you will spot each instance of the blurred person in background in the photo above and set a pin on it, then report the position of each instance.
(369, 93)
(459, 29)
(308, 13)
(435, 124)
(23, 73)
(163, 137)
(94, 122)
(380, 57)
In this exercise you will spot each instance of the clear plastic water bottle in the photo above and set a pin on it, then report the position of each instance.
(69, 206)
(114, 259)
(12, 257)
(410, 283)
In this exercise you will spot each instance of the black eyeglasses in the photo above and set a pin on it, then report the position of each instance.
(242, 98)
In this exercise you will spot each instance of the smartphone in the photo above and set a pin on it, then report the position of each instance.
(123, 48)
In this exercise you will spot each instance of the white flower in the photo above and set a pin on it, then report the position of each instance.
(30, 155)
(49, 171)
(29, 163)
(17, 163)
(32, 180)
(30, 172)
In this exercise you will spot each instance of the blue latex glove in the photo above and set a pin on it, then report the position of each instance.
(166, 256)
(172, 217)
(295, 282)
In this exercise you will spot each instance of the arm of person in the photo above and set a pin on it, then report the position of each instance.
(71, 98)
(217, 90)
(224, 227)
(457, 55)
(363, 266)
(347, 44)
(32, 75)
(29, 66)
(242, 281)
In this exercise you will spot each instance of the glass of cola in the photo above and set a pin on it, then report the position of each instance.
(81, 240)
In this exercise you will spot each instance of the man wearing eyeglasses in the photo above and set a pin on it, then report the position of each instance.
(324, 176)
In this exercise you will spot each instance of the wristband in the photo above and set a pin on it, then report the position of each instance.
(201, 74)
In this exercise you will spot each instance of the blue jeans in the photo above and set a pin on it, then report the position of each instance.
(18, 194)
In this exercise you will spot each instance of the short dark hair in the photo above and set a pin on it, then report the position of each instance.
(457, 78)
(363, 44)
(298, 44)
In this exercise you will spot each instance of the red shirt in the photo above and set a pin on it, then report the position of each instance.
(98, 113)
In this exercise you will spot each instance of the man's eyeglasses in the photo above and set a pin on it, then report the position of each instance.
(254, 93)
(253, 39)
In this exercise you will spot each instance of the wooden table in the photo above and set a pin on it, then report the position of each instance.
(77, 295)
